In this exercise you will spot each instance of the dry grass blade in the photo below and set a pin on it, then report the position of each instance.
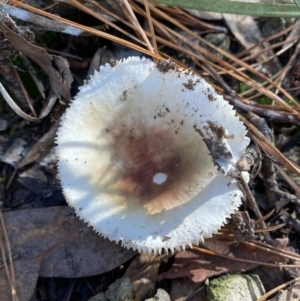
(213, 253)
(25, 95)
(228, 70)
(137, 25)
(86, 28)
(3, 253)
(290, 39)
(276, 289)
(149, 18)
(273, 250)
(11, 272)
(89, 11)
(14, 106)
(229, 66)
(269, 229)
(158, 11)
(20, 112)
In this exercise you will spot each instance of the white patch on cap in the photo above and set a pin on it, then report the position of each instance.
(160, 178)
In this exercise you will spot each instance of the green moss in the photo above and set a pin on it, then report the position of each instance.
(46, 38)
(3, 180)
(264, 100)
(244, 87)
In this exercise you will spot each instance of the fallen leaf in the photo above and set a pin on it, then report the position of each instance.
(246, 30)
(198, 266)
(34, 231)
(27, 273)
(54, 66)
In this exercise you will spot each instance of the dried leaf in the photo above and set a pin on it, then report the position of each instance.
(34, 231)
(55, 67)
(247, 32)
(27, 272)
(197, 266)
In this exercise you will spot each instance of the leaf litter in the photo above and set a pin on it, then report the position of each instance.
(33, 232)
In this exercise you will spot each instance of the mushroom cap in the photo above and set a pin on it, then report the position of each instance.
(132, 163)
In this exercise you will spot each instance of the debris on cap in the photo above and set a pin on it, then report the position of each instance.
(146, 155)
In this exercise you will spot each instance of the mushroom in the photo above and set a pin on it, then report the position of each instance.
(133, 165)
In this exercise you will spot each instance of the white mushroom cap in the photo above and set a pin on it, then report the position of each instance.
(132, 162)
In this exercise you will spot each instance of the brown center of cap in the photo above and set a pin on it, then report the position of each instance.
(140, 149)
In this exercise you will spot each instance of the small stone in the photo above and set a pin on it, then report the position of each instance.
(120, 290)
(246, 287)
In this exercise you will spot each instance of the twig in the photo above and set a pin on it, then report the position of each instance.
(251, 158)
(287, 218)
(268, 114)
(253, 205)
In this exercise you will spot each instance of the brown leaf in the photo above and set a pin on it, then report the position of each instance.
(54, 66)
(197, 266)
(34, 231)
(7, 49)
(27, 272)
(247, 32)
